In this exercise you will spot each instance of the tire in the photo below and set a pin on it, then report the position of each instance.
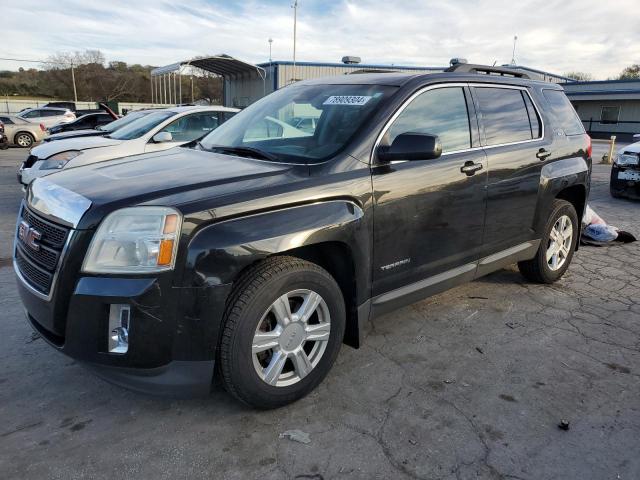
(23, 139)
(540, 269)
(256, 319)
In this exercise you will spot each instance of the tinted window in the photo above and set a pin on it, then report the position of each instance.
(51, 113)
(85, 122)
(441, 112)
(504, 115)
(563, 114)
(6, 120)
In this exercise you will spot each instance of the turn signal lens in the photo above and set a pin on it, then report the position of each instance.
(165, 254)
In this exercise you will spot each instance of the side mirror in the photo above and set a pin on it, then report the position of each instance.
(162, 137)
(411, 146)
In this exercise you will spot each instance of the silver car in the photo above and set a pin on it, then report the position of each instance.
(22, 133)
(48, 116)
(154, 132)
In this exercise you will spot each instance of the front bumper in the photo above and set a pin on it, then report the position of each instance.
(629, 185)
(172, 339)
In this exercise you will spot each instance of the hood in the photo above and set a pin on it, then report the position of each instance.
(73, 133)
(633, 148)
(171, 178)
(47, 149)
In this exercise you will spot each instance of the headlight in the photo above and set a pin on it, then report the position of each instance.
(625, 159)
(135, 240)
(59, 160)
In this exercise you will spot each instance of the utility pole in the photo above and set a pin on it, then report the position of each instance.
(513, 53)
(295, 24)
(270, 42)
(73, 79)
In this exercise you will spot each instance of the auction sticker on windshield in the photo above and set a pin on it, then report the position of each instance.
(347, 100)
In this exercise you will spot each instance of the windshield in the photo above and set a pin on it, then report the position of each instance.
(121, 122)
(140, 126)
(332, 113)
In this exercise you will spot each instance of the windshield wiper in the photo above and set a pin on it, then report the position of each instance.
(243, 152)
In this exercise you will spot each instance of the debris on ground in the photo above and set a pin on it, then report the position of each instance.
(596, 232)
(479, 350)
(563, 425)
(296, 436)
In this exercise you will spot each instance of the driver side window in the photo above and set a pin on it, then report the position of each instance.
(442, 112)
(192, 127)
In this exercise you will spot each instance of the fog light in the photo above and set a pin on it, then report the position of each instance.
(119, 316)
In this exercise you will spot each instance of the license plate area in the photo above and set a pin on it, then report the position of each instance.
(629, 175)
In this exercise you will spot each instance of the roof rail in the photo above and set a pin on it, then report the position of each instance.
(486, 70)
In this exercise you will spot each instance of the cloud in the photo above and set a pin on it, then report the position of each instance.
(553, 35)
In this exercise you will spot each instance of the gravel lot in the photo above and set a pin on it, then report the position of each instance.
(471, 383)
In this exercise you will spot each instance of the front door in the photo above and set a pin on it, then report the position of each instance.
(428, 214)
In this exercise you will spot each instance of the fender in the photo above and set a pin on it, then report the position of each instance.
(557, 176)
(219, 252)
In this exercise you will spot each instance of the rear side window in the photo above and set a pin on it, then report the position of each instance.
(442, 112)
(505, 115)
(563, 114)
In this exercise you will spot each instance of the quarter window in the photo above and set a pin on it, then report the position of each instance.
(610, 115)
(564, 116)
(442, 112)
(505, 116)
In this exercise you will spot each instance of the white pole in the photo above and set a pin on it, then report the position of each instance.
(73, 79)
(295, 22)
(513, 53)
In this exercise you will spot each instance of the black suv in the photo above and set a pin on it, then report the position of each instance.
(256, 252)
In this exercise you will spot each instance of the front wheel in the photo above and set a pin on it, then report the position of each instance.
(283, 329)
(557, 245)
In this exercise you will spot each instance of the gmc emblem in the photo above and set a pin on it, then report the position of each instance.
(29, 235)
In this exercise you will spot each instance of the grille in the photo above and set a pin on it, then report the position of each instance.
(37, 277)
(52, 234)
(31, 159)
(38, 267)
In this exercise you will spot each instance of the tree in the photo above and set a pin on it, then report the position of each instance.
(579, 76)
(632, 72)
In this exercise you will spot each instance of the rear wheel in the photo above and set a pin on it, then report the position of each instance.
(283, 330)
(556, 246)
(24, 139)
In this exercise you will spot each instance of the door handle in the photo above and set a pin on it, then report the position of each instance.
(543, 154)
(470, 168)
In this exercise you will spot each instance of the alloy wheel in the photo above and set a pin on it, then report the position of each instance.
(560, 239)
(291, 337)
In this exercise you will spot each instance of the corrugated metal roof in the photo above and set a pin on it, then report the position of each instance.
(223, 65)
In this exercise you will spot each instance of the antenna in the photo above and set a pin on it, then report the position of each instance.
(513, 53)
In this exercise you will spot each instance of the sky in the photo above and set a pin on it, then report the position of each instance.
(559, 36)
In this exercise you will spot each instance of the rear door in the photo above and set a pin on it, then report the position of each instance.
(513, 137)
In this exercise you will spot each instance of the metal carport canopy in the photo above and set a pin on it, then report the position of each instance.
(223, 65)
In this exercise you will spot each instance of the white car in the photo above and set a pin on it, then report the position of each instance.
(48, 116)
(156, 131)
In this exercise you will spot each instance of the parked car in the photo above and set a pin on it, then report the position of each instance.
(85, 122)
(159, 130)
(47, 116)
(22, 133)
(102, 129)
(263, 257)
(625, 172)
